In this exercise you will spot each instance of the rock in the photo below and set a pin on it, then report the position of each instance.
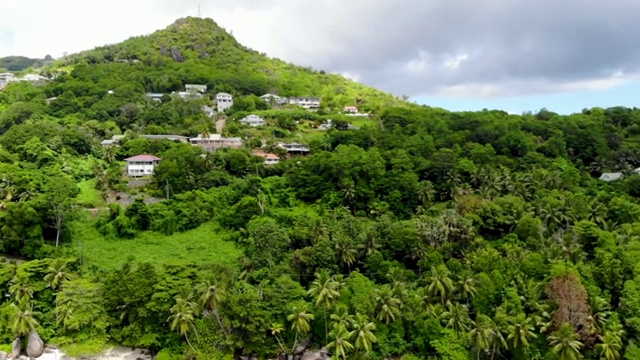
(301, 347)
(15, 348)
(163, 50)
(3, 355)
(176, 55)
(35, 345)
(310, 355)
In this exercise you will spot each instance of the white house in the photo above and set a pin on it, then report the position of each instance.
(295, 148)
(208, 110)
(155, 96)
(611, 176)
(5, 78)
(306, 102)
(253, 120)
(350, 110)
(224, 101)
(141, 165)
(189, 95)
(216, 141)
(195, 88)
(273, 99)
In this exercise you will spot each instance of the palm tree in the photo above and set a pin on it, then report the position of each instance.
(275, 330)
(565, 343)
(609, 346)
(520, 332)
(299, 319)
(340, 343)
(20, 288)
(426, 192)
(346, 252)
(183, 315)
(109, 155)
(363, 329)
(211, 296)
(439, 282)
(325, 290)
(388, 306)
(482, 334)
(467, 289)
(23, 318)
(601, 310)
(341, 316)
(456, 317)
(397, 280)
(57, 273)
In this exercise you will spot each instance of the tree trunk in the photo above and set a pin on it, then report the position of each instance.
(58, 227)
(189, 342)
(215, 313)
(295, 343)
(326, 328)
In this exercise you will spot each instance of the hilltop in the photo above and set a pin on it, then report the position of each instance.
(20, 63)
(198, 51)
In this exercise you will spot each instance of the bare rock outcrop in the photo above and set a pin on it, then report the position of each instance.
(15, 348)
(35, 345)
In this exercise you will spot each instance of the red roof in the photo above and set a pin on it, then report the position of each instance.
(265, 155)
(272, 157)
(142, 158)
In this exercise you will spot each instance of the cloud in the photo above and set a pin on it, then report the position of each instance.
(465, 48)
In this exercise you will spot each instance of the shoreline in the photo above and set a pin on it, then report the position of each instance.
(114, 353)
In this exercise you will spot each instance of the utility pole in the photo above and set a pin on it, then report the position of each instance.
(199, 13)
(166, 189)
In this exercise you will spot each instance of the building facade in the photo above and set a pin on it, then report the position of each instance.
(224, 101)
(141, 165)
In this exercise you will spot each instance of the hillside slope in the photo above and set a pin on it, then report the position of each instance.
(19, 63)
(195, 50)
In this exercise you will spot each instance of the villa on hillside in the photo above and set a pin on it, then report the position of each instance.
(115, 139)
(195, 88)
(306, 102)
(269, 159)
(273, 99)
(208, 110)
(295, 148)
(5, 78)
(155, 96)
(215, 141)
(350, 109)
(253, 120)
(141, 165)
(224, 101)
(188, 95)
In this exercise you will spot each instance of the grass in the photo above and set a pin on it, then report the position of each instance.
(201, 246)
(89, 196)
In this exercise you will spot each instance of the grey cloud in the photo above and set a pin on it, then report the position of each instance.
(549, 42)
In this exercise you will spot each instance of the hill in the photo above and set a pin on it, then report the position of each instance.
(198, 51)
(20, 63)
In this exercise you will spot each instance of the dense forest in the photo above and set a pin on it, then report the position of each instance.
(20, 63)
(418, 234)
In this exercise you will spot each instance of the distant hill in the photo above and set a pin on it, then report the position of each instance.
(198, 51)
(19, 63)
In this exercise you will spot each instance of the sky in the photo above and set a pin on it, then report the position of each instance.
(514, 55)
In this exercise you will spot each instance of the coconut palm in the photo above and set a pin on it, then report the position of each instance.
(440, 284)
(565, 343)
(520, 330)
(299, 319)
(23, 318)
(183, 315)
(325, 290)
(456, 317)
(211, 296)
(20, 288)
(341, 336)
(363, 329)
(482, 334)
(341, 316)
(388, 305)
(609, 346)
(275, 330)
(346, 251)
(57, 273)
(467, 289)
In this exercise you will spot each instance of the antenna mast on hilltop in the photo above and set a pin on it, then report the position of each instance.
(199, 13)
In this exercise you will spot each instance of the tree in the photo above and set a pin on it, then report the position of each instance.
(440, 284)
(23, 318)
(59, 193)
(183, 314)
(609, 346)
(340, 341)
(275, 330)
(520, 331)
(388, 306)
(20, 288)
(363, 330)
(482, 334)
(57, 273)
(565, 343)
(325, 291)
(211, 296)
(299, 319)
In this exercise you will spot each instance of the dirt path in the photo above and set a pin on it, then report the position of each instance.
(220, 124)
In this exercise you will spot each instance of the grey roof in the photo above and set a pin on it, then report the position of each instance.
(162, 137)
(611, 176)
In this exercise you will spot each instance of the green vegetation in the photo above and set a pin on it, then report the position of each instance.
(419, 234)
(20, 63)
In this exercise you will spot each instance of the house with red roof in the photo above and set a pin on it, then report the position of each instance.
(141, 165)
(269, 159)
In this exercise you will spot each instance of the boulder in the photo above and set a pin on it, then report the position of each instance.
(35, 345)
(176, 55)
(15, 348)
(311, 355)
(3, 355)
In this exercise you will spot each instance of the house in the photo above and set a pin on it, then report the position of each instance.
(212, 142)
(224, 101)
(269, 159)
(51, 99)
(273, 99)
(208, 110)
(188, 95)
(350, 109)
(141, 165)
(31, 78)
(195, 88)
(253, 120)
(306, 102)
(637, 171)
(5, 78)
(611, 176)
(155, 96)
(179, 138)
(109, 142)
(295, 148)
